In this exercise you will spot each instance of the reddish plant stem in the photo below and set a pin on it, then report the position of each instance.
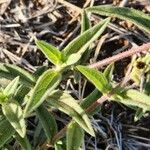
(130, 52)
(96, 103)
(60, 134)
(101, 100)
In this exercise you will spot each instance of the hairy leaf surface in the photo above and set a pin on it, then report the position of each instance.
(96, 77)
(74, 50)
(49, 79)
(140, 99)
(12, 86)
(14, 114)
(134, 98)
(85, 22)
(51, 52)
(75, 136)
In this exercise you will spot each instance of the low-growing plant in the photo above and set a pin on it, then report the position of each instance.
(38, 94)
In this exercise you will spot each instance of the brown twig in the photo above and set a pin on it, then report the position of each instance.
(60, 134)
(96, 103)
(101, 100)
(130, 52)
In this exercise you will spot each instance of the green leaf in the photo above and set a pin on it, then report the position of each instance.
(24, 142)
(12, 87)
(48, 122)
(52, 53)
(133, 98)
(67, 104)
(3, 97)
(139, 99)
(85, 23)
(137, 17)
(74, 50)
(75, 136)
(14, 114)
(6, 131)
(108, 72)
(37, 139)
(11, 71)
(49, 79)
(96, 77)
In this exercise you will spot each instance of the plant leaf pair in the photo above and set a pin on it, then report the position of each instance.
(128, 97)
(12, 110)
(74, 50)
(9, 90)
